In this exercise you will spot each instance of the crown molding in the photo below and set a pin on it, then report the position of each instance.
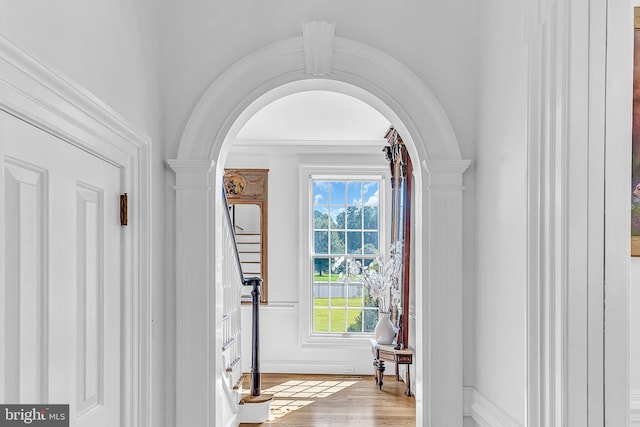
(34, 91)
(359, 147)
(46, 99)
(310, 142)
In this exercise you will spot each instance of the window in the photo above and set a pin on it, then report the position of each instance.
(345, 220)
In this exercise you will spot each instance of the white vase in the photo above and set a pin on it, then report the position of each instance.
(384, 331)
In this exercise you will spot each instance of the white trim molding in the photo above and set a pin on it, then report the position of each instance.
(546, 218)
(565, 217)
(390, 87)
(361, 147)
(36, 93)
(616, 34)
(484, 412)
(634, 413)
(198, 324)
(359, 70)
(579, 122)
(440, 303)
(306, 174)
(445, 174)
(332, 367)
(318, 39)
(40, 96)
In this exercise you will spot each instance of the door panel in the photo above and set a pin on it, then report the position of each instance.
(62, 283)
(25, 288)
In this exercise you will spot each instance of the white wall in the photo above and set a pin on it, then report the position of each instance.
(436, 40)
(501, 208)
(110, 49)
(107, 47)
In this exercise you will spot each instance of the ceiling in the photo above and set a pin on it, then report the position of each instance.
(316, 115)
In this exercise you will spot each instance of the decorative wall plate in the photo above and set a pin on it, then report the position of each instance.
(234, 185)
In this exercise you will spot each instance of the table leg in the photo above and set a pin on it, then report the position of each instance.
(375, 370)
(380, 373)
(408, 390)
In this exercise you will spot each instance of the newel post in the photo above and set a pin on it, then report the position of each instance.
(255, 283)
(196, 336)
(440, 294)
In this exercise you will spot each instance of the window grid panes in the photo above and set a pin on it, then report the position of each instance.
(345, 222)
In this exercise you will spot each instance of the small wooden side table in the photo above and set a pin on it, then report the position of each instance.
(388, 353)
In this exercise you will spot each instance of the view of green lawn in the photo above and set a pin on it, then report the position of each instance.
(338, 302)
(335, 277)
(344, 312)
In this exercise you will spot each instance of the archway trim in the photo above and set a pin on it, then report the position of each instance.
(387, 85)
(242, 85)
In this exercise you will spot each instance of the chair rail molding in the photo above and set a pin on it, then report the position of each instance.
(35, 93)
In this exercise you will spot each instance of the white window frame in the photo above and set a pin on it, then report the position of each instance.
(307, 174)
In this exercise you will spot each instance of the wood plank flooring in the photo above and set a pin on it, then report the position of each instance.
(336, 400)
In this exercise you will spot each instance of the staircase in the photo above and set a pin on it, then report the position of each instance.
(249, 252)
(251, 407)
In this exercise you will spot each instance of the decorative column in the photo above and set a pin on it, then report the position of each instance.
(195, 294)
(440, 294)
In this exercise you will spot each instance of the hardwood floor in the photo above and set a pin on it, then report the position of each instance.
(336, 400)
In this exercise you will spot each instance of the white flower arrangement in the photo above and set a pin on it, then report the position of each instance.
(381, 277)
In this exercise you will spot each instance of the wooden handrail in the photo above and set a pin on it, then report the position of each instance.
(235, 244)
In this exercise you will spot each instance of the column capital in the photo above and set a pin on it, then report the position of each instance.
(192, 174)
(445, 174)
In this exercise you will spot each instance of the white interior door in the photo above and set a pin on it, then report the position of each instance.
(61, 290)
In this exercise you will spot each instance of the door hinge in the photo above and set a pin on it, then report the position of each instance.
(123, 209)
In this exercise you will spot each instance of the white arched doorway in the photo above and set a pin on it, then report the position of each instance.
(391, 88)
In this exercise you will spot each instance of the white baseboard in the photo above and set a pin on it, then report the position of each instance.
(467, 393)
(634, 412)
(484, 412)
